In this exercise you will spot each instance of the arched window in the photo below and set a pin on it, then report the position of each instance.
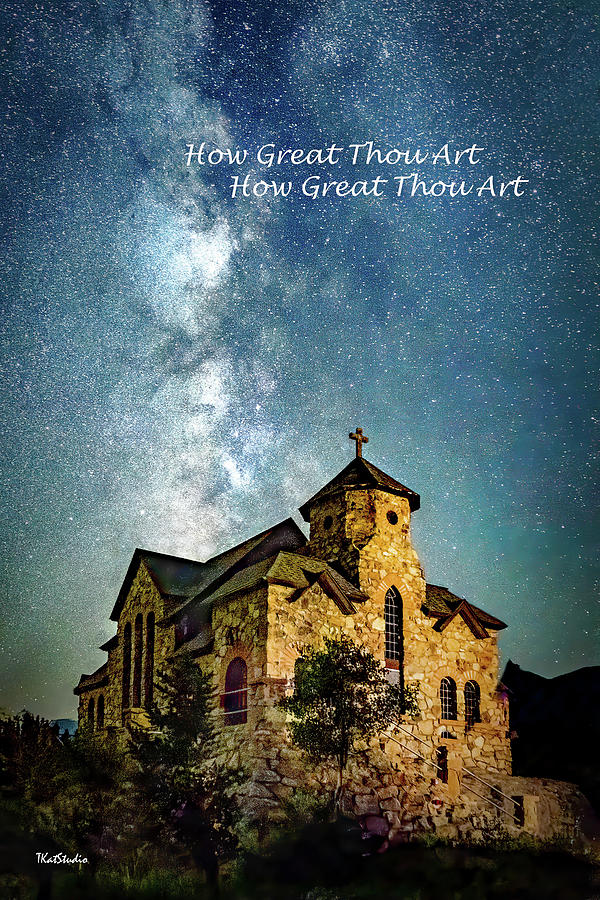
(126, 666)
(149, 661)
(442, 764)
(448, 698)
(90, 715)
(100, 712)
(235, 698)
(472, 696)
(394, 637)
(137, 661)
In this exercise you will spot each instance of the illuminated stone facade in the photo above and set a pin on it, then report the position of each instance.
(246, 615)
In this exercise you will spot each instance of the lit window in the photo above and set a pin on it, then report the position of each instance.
(448, 698)
(393, 625)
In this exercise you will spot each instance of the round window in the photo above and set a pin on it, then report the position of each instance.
(392, 517)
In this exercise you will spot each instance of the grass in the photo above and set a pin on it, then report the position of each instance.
(321, 862)
(326, 864)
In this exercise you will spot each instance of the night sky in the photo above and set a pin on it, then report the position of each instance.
(181, 369)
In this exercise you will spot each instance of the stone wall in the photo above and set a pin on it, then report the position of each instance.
(368, 532)
(269, 630)
(239, 624)
(391, 782)
(274, 767)
(385, 778)
(372, 528)
(143, 598)
(85, 698)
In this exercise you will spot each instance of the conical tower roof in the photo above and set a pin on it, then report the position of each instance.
(360, 473)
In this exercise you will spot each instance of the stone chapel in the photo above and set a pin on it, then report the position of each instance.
(246, 614)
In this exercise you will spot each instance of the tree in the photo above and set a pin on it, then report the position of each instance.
(186, 801)
(341, 694)
(56, 794)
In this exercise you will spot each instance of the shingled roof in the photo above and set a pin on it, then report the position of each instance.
(199, 644)
(360, 473)
(301, 571)
(442, 604)
(173, 576)
(186, 579)
(97, 679)
(290, 569)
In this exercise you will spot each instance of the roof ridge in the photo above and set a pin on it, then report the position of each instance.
(184, 559)
(237, 546)
(203, 576)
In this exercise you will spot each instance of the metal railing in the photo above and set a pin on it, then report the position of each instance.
(429, 762)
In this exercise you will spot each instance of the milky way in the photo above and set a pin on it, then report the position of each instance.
(181, 369)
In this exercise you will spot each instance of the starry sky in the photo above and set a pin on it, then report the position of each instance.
(181, 369)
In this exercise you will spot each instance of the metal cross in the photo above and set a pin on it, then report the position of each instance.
(360, 440)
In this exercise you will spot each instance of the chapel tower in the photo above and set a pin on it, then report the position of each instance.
(360, 520)
(245, 616)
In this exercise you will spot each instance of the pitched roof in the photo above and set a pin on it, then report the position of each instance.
(467, 614)
(300, 571)
(173, 575)
(242, 580)
(360, 473)
(111, 643)
(185, 579)
(444, 605)
(291, 569)
(199, 643)
(97, 679)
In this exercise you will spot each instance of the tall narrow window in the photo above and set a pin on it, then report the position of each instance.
(137, 661)
(149, 661)
(442, 764)
(90, 715)
(235, 698)
(519, 812)
(472, 696)
(100, 712)
(126, 693)
(394, 638)
(448, 698)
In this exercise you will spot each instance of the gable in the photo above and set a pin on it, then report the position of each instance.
(187, 579)
(330, 587)
(443, 605)
(240, 562)
(302, 572)
(170, 574)
(463, 611)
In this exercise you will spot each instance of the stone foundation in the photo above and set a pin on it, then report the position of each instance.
(415, 803)
(384, 779)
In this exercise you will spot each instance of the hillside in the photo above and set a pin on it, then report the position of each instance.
(557, 725)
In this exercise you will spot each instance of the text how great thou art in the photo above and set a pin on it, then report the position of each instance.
(458, 165)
